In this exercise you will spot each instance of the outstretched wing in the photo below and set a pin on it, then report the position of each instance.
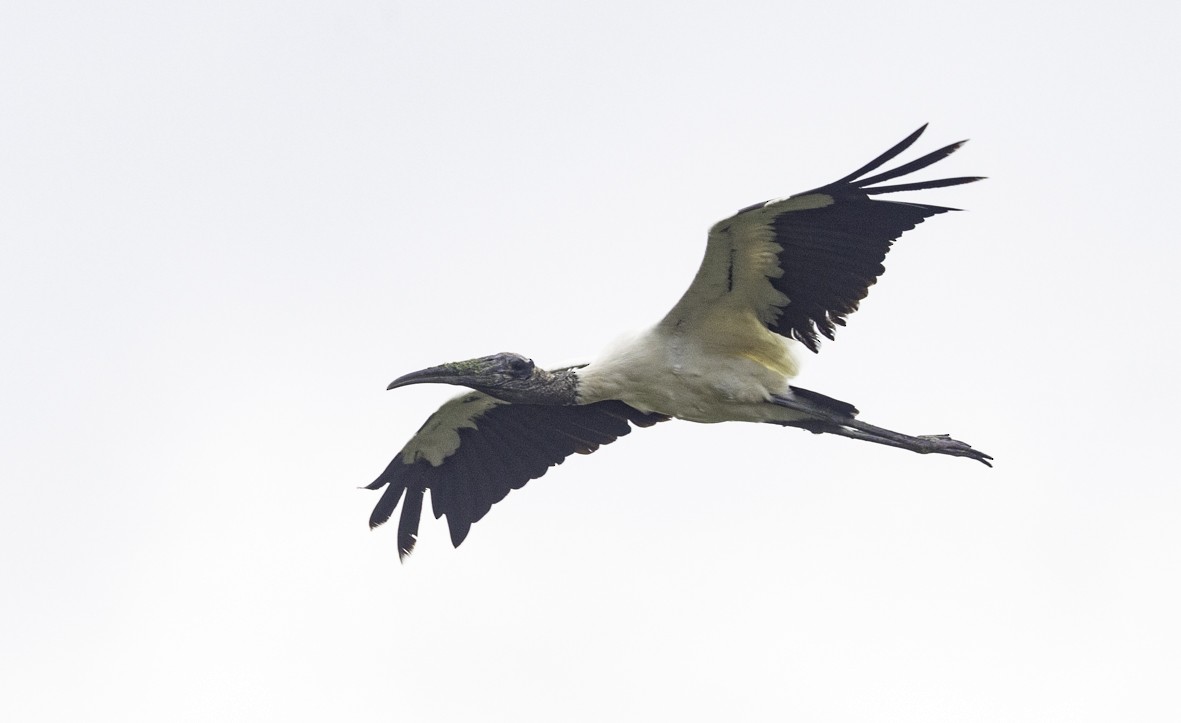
(475, 449)
(803, 263)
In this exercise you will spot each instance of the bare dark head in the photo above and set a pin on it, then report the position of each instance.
(507, 376)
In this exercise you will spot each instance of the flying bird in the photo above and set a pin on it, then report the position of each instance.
(776, 276)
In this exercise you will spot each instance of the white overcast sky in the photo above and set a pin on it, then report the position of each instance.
(227, 225)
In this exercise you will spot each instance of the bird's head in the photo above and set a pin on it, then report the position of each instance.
(507, 376)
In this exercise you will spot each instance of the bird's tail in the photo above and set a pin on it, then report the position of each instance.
(810, 401)
(822, 412)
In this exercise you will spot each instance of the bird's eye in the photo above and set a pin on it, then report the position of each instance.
(521, 366)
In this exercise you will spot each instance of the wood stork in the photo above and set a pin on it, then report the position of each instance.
(776, 275)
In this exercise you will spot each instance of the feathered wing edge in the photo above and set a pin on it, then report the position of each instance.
(863, 184)
(509, 445)
(833, 254)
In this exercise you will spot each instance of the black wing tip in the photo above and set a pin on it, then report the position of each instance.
(459, 530)
(405, 550)
(922, 185)
(384, 509)
(884, 158)
(410, 497)
(857, 179)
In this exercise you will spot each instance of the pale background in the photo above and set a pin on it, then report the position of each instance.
(227, 225)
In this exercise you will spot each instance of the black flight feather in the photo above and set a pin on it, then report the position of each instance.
(509, 445)
(831, 255)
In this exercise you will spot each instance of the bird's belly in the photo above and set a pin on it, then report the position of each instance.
(739, 392)
(695, 404)
(680, 376)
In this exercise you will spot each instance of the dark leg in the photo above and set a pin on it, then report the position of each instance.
(830, 421)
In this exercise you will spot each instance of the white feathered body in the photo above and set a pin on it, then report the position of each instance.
(714, 377)
(713, 359)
